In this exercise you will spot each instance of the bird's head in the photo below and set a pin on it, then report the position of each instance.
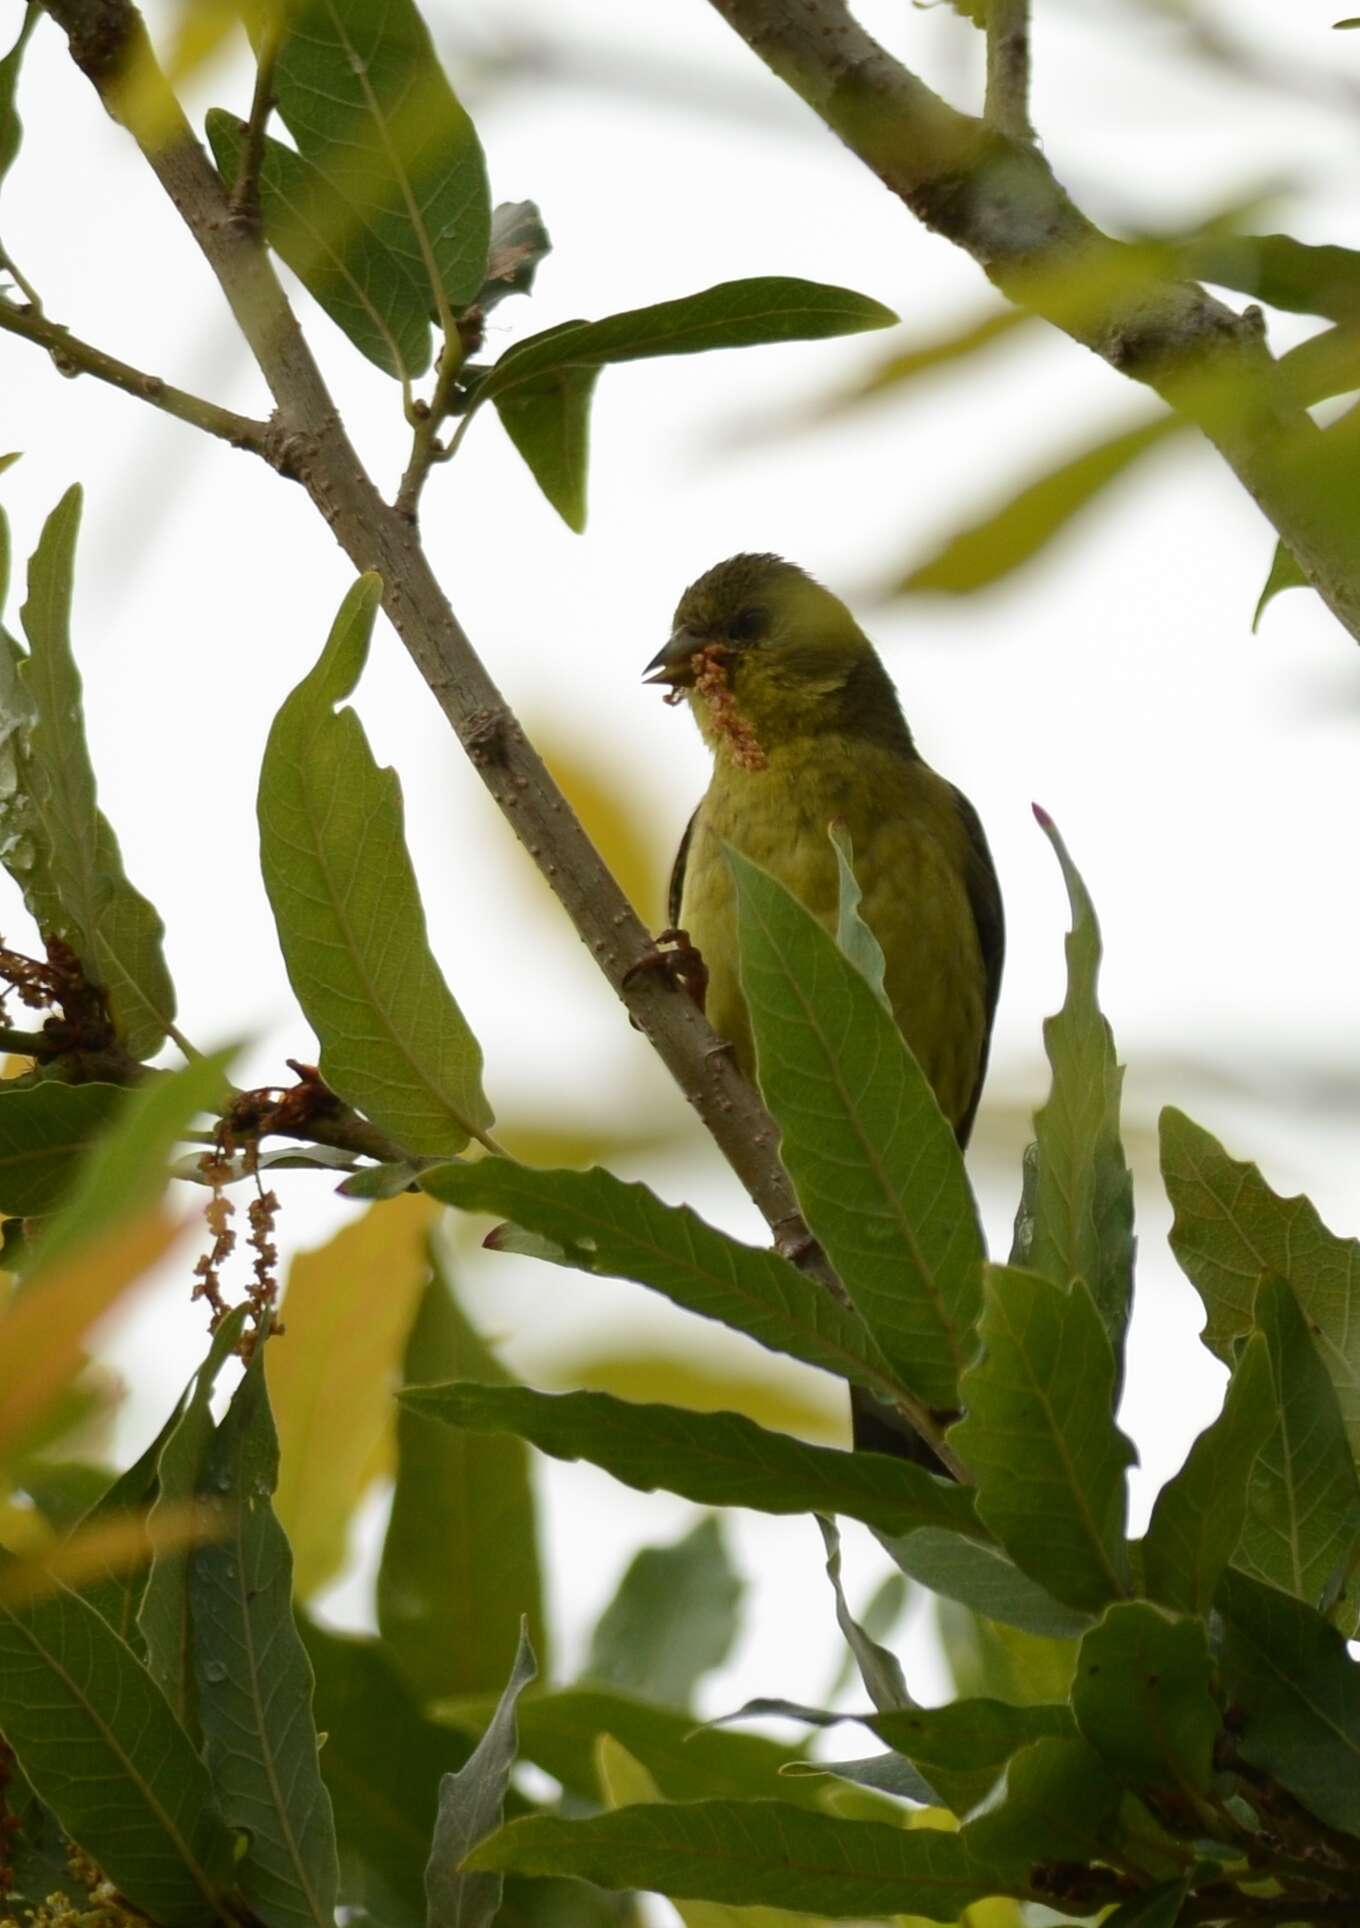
(791, 656)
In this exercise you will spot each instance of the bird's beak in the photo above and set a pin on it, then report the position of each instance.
(674, 661)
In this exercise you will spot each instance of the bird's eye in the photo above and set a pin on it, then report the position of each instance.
(748, 625)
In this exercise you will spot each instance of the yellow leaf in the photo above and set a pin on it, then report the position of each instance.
(23, 1529)
(624, 1781)
(115, 1544)
(346, 1312)
(44, 1325)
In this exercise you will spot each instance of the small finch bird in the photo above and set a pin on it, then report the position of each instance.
(805, 728)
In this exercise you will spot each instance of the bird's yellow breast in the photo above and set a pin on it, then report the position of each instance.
(911, 855)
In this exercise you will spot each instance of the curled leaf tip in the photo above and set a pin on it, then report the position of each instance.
(1041, 817)
(495, 1238)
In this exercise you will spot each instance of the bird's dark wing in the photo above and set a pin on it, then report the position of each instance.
(984, 896)
(676, 888)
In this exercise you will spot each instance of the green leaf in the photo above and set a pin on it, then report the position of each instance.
(879, 1668)
(127, 1166)
(1296, 1694)
(880, 1616)
(361, 90)
(960, 1749)
(331, 1382)
(1079, 1206)
(284, 1158)
(877, 1169)
(1157, 1907)
(37, 1850)
(989, 1658)
(1303, 1496)
(735, 314)
(97, 1739)
(61, 850)
(1021, 527)
(1285, 573)
(382, 1763)
(625, 1781)
(1041, 1439)
(1320, 366)
(11, 128)
(718, 1459)
(166, 1636)
(963, 1747)
(1230, 1229)
(45, 1131)
(64, 1491)
(471, 1807)
(548, 420)
(852, 933)
(388, 1180)
(768, 1853)
(597, 1223)
(253, 1677)
(1199, 1514)
(565, 1904)
(886, 1773)
(460, 1562)
(542, 387)
(983, 1578)
(1059, 1797)
(116, 1595)
(673, 1619)
(350, 922)
(559, 1731)
(346, 266)
(888, 377)
(1142, 1697)
(1297, 276)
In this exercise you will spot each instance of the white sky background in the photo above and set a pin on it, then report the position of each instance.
(1205, 779)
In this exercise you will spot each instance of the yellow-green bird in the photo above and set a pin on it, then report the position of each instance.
(805, 728)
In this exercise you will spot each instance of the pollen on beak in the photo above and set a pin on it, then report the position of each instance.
(674, 661)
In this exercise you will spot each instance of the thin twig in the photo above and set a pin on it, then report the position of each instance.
(427, 419)
(245, 195)
(1007, 102)
(25, 1044)
(75, 357)
(9, 266)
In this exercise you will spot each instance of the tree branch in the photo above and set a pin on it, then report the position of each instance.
(75, 357)
(109, 44)
(997, 198)
(245, 195)
(1007, 100)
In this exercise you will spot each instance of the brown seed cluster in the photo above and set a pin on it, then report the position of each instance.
(710, 680)
(219, 1169)
(219, 1212)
